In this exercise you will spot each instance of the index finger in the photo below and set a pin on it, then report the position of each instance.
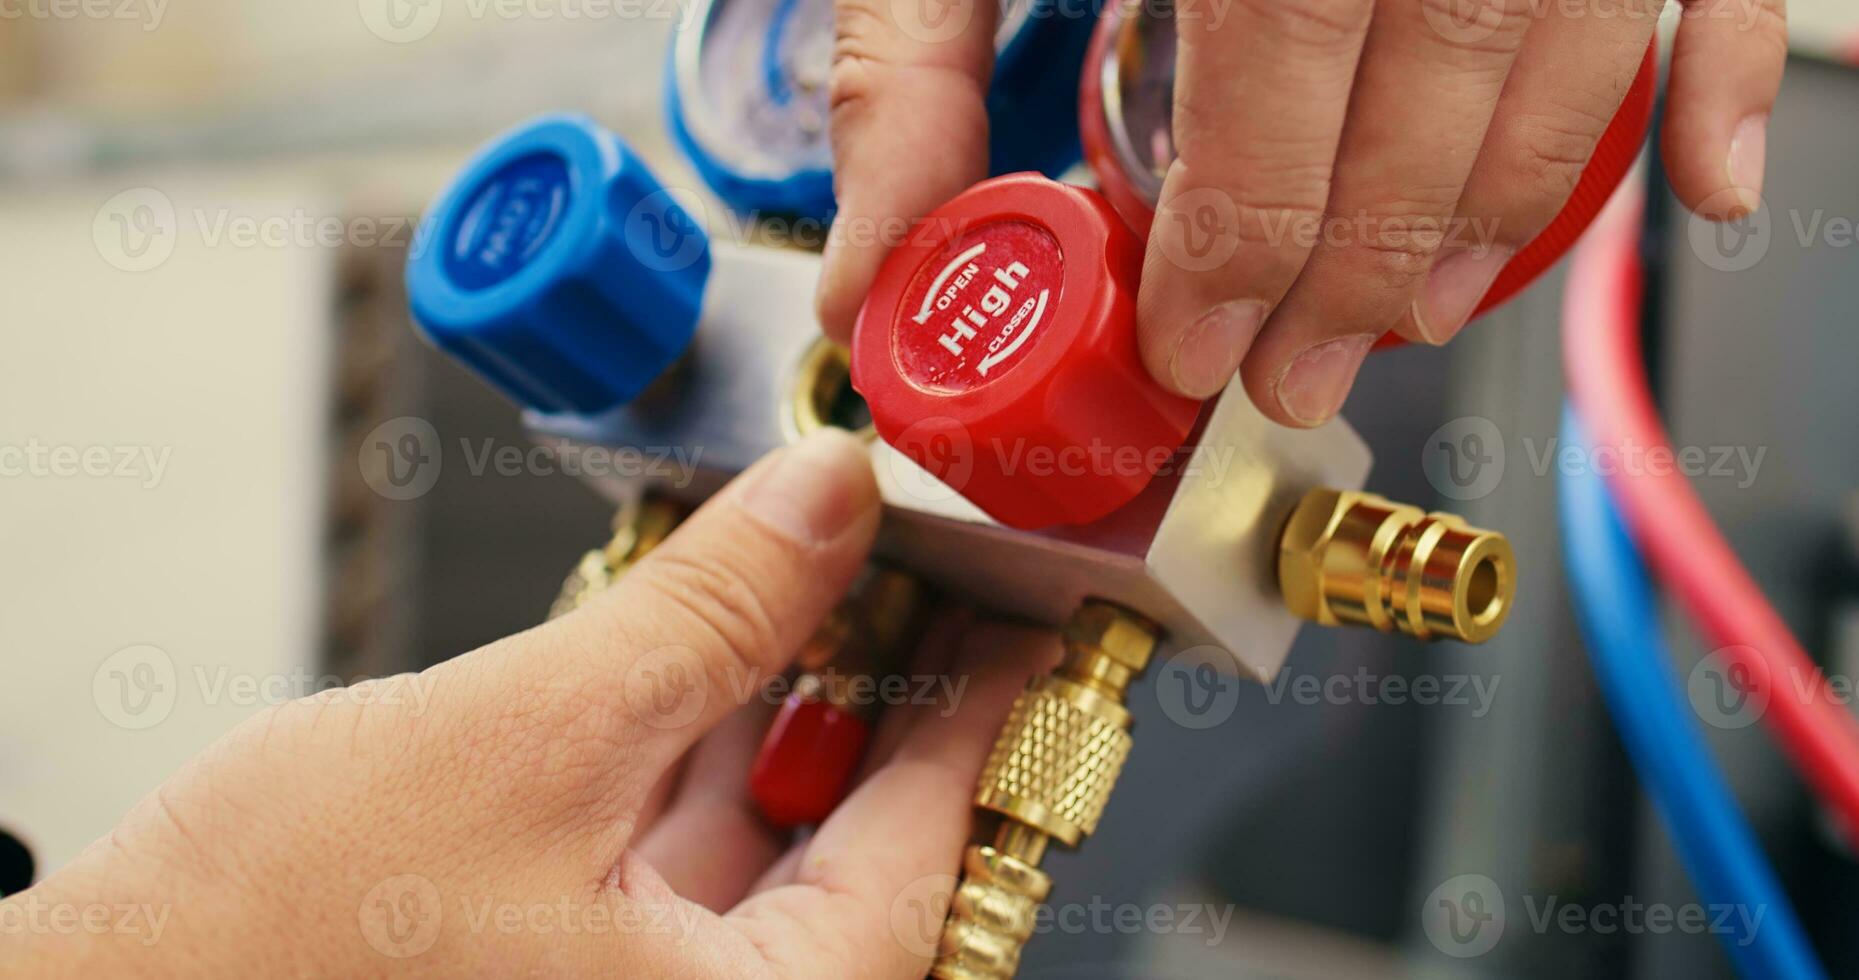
(909, 128)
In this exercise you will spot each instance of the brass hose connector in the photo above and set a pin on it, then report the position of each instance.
(1048, 778)
(1354, 558)
(637, 529)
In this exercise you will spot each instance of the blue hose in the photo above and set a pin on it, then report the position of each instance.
(1614, 603)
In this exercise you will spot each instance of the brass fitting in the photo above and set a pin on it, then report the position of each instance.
(1048, 778)
(820, 395)
(637, 529)
(1349, 557)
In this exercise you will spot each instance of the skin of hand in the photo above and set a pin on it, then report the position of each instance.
(1363, 165)
(571, 800)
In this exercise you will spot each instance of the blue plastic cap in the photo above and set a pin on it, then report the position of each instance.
(559, 269)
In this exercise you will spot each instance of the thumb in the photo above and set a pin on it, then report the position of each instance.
(693, 631)
(909, 128)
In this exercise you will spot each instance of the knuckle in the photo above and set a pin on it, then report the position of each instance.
(850, 84)
(1280, 225)
(1547, 158)
(1394, 245)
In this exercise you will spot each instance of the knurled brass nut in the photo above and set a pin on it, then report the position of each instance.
(1119, 634)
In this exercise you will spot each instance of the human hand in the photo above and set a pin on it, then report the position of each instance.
(571, 800)
(1373, 164)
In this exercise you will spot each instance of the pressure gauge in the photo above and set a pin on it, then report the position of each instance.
(747, 96)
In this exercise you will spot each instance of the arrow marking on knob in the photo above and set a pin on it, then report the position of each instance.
(935, 289)
(1004, 353)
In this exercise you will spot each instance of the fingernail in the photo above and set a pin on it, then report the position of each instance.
(1210, 351)
(1314, 386)
(812, 490)
(1748, 156)
(1452, 291)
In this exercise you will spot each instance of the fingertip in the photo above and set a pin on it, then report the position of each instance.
(815, 492)
(1307, 388)
(1717, 170)
(1194, 351)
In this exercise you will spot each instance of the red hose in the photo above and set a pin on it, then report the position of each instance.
(1607, 380)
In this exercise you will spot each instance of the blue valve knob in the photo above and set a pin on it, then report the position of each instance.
(557, 268)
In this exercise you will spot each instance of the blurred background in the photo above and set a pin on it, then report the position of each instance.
(204, 209)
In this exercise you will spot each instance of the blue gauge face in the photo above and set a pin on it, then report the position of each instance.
(749, 102)
(762, 75)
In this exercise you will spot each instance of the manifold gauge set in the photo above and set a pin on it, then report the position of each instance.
(1027, 462)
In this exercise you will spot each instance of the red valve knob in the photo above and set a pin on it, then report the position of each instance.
(807, 761)
(998, 350)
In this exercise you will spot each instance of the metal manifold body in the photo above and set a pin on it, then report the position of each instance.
(1196, 552)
